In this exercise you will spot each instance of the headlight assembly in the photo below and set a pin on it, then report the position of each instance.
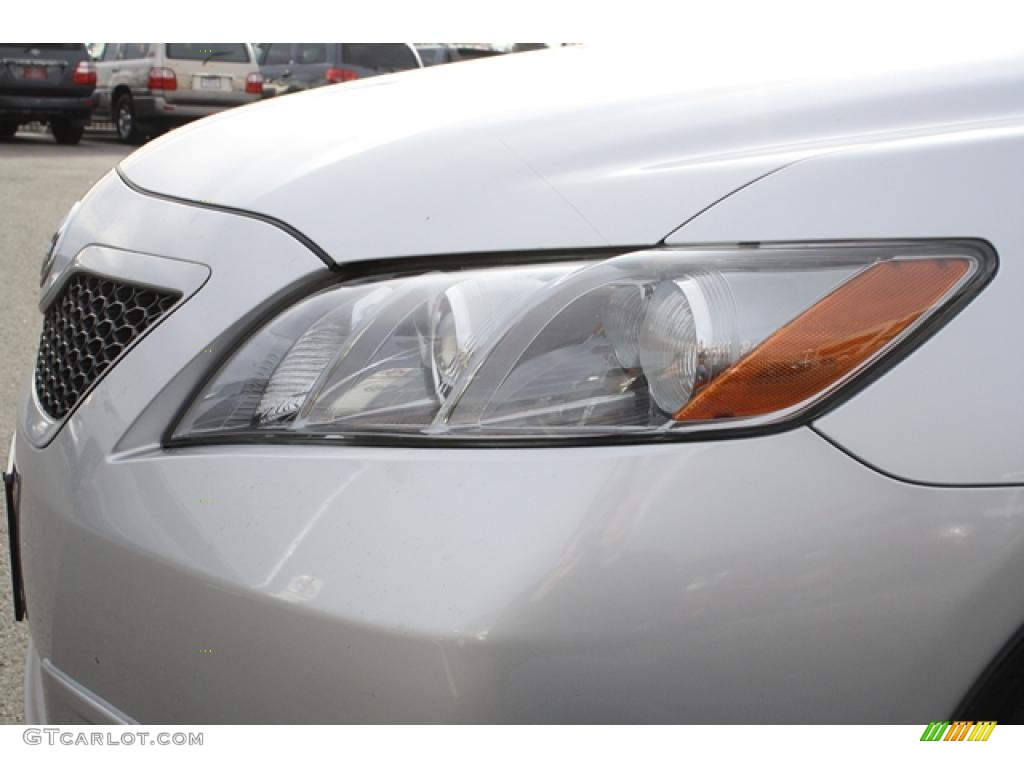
(650, 344)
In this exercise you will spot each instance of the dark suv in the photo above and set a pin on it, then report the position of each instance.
(290, 67)
(48, 82)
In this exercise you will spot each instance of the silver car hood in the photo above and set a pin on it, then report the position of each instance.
(563, 149)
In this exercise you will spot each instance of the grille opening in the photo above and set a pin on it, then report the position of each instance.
(85, 329)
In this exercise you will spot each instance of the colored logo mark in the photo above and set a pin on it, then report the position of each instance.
(961, 730)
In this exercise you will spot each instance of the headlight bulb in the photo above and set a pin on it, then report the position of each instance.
(687, 338)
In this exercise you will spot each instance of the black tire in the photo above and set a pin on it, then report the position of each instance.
(125, 123)
(8, 129)
(67, 132)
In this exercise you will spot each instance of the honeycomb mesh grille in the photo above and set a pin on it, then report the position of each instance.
(90, 323)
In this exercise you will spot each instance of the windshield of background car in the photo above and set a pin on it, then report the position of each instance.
(384, 57)
(312, 53)
(130, 51)
(212, 51)
(433, 53)
(275, 54)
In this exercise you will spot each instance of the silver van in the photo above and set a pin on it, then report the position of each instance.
(146, 88)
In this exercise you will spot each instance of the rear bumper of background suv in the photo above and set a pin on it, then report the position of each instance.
(26, 108)
(157, 111)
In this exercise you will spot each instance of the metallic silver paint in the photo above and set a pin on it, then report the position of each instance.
(773, 579)
(952, 413)
(561, 149)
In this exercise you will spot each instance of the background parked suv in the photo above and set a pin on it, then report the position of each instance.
(145, 88)
(432, 54)
(289, 67)
(51, 82)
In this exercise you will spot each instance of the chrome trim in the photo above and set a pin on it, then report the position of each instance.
(79, 699)
(53, 256)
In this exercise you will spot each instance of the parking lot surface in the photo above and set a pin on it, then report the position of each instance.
(39, 181)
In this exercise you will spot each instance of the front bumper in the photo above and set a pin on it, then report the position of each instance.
(773, 579)
(764, 580)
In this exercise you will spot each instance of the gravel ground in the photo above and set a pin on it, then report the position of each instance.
(39, 181)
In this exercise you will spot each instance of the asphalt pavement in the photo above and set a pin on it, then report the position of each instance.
(39, 182)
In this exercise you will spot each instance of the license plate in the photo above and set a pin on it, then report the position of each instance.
(12, 498)
(33, 73)
(209, 83)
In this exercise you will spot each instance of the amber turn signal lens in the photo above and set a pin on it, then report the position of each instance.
(829, 341)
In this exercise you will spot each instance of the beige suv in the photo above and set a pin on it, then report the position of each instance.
(145, 88)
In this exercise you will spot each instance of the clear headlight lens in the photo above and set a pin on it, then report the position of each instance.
(651, 342)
